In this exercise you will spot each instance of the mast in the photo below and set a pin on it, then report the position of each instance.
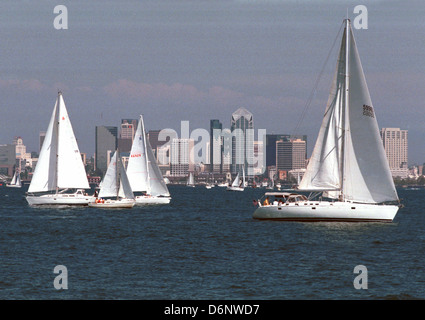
(142, 122)
(117, 173)
(345, 109)
(57, 141)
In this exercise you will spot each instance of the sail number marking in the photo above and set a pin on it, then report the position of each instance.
(368, 111)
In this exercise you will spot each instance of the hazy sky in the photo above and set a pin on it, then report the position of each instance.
(200, 60)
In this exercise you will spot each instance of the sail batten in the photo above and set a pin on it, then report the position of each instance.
(349, 154)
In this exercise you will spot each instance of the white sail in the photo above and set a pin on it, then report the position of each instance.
(156, 180)
(137, 168)
(59, 164)
(115, 183)
(349, 154)
(108, 186)
(191, 180)
(125, 190)
(18, 180)
(70, 170)
(236, 182)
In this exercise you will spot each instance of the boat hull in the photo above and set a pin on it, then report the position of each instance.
(59, 199)
(327, 211)
(142, 200)
(112, 204)
(230, 188)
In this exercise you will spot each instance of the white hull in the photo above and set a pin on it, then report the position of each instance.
(141, 200)
(59, 199)
(109, 203)
(230, 188)
(13, 186)
(327, 211)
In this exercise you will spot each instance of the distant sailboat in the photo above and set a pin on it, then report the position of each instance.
(115, 190)
(191, 180)
(59, 177)
(348, 165)
(143, 172)
(15, 182)
(237, 185)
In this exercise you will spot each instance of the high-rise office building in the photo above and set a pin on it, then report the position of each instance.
(106, 144)
(271, 145)
(242, 128)
(216, 146)
(182, 157)
(290, 154)
(127, 131)
(396, 150)
(7, 159)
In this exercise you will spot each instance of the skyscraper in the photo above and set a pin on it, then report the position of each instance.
(290, 154)
(271, 145)
(127, 132)
(106, 144)
(242, 128)
(216, 146)
(396, 150)
(181, 155)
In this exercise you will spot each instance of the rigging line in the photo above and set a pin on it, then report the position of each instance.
(313, 92)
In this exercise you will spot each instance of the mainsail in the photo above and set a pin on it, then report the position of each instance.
(156, 180)
(137, 169)
(59, 164)
(349, 156)
(142, 170)
(115, 182)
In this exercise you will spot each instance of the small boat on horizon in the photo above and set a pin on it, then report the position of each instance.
(15, 182)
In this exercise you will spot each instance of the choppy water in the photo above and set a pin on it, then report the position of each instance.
(205, 245)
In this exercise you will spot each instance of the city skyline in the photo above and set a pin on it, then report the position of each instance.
(177, 61)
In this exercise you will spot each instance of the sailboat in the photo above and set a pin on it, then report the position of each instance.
(237, 185)
(59, 177)
(143, 172)
(191, 180)
(115, 190)
(348, 167)
(15, 182)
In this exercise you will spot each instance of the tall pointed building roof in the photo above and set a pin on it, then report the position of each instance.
(242, 112)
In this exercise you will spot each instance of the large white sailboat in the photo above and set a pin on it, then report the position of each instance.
(143, 172)
(15, 182)
(348, 166)
(115, 190)
(59, 177)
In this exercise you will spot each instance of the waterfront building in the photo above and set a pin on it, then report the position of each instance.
(182, 157)
(395, 143)
(106, 144)
(290, 154)
(216, 146)
(242, 129)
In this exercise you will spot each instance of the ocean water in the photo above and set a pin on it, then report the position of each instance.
(205, 245)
